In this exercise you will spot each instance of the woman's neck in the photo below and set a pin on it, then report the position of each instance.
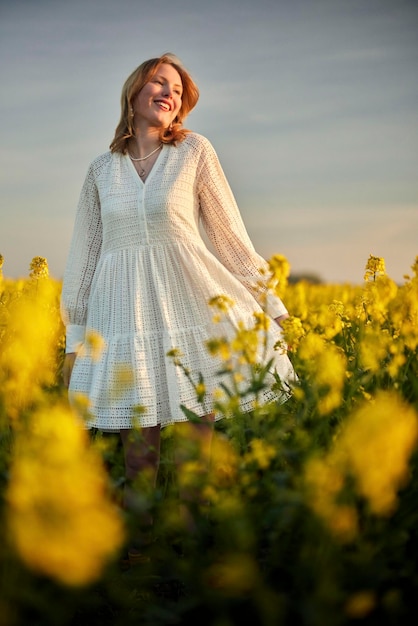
(144, 141)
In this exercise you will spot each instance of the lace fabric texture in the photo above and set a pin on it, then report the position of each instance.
(140, 275)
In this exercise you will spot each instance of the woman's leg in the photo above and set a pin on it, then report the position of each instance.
(142, 458)
(193, 446)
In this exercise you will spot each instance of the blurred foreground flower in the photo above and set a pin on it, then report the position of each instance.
(93, 346)
(374, 448)
(279, 267)
(59, 515)
(376, 445)
(360, 604)
(325, 367)
(260, 453)
(28, 344)
(234, 575)
(274, 279)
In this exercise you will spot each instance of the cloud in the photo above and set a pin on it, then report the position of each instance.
(310, 105)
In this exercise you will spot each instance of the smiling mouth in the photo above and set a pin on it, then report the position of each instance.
(163, 105)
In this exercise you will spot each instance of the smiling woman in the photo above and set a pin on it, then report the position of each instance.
(140, 276)
(156, 106)
(169, 70)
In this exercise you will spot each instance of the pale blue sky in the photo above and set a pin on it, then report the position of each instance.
(312, 106)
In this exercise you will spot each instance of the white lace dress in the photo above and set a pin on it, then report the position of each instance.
(140, 275)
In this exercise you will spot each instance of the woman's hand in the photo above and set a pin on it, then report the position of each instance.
(281, 319)
(68, 367)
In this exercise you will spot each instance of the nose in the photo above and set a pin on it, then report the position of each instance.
(168, 90)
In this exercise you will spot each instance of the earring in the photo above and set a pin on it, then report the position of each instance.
(131, 111)
(170, 128)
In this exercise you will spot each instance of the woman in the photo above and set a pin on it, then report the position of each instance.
(140, 276)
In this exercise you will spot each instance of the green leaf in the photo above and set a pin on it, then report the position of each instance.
(191, 415)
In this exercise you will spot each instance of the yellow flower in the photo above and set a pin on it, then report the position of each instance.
(191, 473)
(373, 447)
(377, 443)
(260, 453)
(343, 521)
(219, 347)
(293, 331)
(237, 377)
(326, 366)
(360, 604)
(373, 348)
(397, 360)
(324, 480)
(234, 575)
(210, 494)
(28, 344)
(337, 307)
(262, 321)
(280, 267)
(82, 405)
(94, 345)
(245, 344)
(229, 506)
(59, 515)
(224, 462)
(377, 299)
(222, 303)
(403, 312)
(325, 477)
(174, 353)
(39, 268)
(374, 268)
(124, 379)
(200, 390)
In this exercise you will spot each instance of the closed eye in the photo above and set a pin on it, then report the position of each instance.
(176, 88)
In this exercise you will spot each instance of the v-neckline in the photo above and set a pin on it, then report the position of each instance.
(139, 180)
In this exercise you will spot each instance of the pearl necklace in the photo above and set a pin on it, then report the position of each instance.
(148, 155)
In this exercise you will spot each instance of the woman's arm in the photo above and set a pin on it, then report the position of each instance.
(226, 230)
(81, 263)
(67, 369)
(281, 319)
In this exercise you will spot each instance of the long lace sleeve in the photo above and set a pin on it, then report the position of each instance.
(226, 230)
(81, 263)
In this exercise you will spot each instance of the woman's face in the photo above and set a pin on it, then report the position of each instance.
(159, 101)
